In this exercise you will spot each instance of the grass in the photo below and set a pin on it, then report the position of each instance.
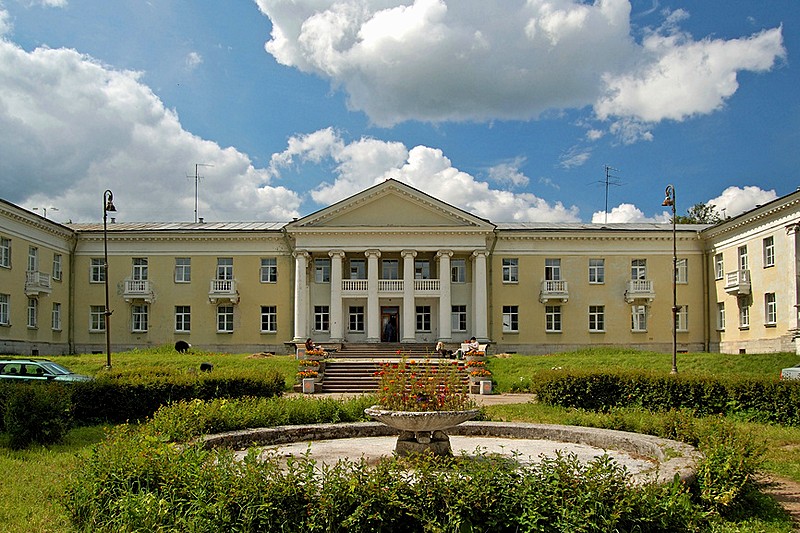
(34, 479)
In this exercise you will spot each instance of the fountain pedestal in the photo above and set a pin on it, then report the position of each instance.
(421, 431)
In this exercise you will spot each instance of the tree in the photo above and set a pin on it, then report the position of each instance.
(699, 214)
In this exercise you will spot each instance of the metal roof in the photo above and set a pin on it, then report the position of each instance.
(179, 226)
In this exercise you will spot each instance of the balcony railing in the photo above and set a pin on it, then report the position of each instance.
(640, 289)
(390, 285)
(37, 283)
(138, 289)
(426, 285)
(355, 285)
(737, 282)
(554, 289)
(223, 290)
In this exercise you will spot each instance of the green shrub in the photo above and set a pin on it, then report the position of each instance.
(37, 413)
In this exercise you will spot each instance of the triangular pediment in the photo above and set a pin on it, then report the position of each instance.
(391, 204)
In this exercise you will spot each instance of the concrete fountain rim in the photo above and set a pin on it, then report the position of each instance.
(673, 458)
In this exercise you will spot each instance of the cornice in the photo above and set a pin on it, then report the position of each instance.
(638, 237)
(160, 237)
(35, 221)
(751, 217)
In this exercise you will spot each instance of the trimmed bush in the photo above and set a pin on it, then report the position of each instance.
(37, 413)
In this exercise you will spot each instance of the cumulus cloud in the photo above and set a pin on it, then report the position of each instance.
(71, 127)
(628, 213)
(508, 173)
(438, 60)
(5, 22)
(736, 200)
(366, 162)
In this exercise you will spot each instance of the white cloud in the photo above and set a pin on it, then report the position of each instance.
(736, 200)
(438, 60)
(508, 173)
(5, 22)
(366, 162)
(71, 128)
(193, 60)
(575, 157)
(628, 213)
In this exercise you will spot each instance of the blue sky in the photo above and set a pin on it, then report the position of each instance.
(510, 110)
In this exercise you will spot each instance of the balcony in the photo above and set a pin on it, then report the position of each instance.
(554, 289)
(37, 283)
(737, 282)
(223, 291)
(390, 285)
(138, 289)
(360, 287)
(639, 290)
(426, 286)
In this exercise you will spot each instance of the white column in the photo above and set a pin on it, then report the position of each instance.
(337, 325)
(479, 296)
(408, 327)
(445, 301)
(373, 305)
(300, 296)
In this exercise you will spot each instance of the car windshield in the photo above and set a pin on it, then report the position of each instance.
(55, 369)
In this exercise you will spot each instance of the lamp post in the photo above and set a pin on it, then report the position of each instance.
(108, 207)
(669, 201)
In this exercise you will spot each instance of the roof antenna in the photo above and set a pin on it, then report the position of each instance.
(610, 179)
(197, 177)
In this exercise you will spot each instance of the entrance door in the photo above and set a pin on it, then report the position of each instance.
(389, 321)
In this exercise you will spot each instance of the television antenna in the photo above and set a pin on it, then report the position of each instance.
(197, 177)
(610, 179)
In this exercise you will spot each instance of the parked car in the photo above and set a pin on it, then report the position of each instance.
(37, 370)
(793, 372)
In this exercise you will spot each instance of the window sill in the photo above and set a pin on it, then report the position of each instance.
(744, 328)
(638, 331)
(553, 331)
(511, 332)
(268, 332)
(181, 332)
(771, 325)
(597, 331)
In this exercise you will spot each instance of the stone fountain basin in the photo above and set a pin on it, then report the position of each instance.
(417, 421)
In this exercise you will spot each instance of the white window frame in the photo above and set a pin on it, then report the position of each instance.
(55, 317)
(322, 318)
(33, 313)
(510, 270)
(358, 269)
(638, 269)
(597, 271)
(458, 318)
(355, 319)
(390, 269)
(458, 271)
(552, 269)
(682, 318)
(183, 270)
(770, 309)
(510, 318)
(33, 259)
(97, 270)
(183, 318)
(719, 266)
(57, 267)
(744, 315)
(422, 269)
(224, 269)
(552, 318)
(423, 318)
(5, 252)
(769, 251)
(97, 318)
(639, 318)
(269, 270)
(682, 270)
(5, 309)
(139, 268)
(225, 319)
(269, 319)
(597, 318)
(140, 318)
(720, 316)
(744, 263)
(322, 270)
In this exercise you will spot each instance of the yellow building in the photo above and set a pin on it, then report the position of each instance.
(393, 264)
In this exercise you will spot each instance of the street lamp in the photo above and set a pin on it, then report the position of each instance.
(669, 201)
(108, 207)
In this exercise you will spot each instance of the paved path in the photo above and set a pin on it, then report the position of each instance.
(480, 399)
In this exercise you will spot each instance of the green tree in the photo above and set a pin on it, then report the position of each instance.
(699, 214)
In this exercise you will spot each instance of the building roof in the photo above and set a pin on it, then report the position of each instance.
(178, 226)
(573, 226)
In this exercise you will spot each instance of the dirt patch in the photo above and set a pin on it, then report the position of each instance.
(787, 493)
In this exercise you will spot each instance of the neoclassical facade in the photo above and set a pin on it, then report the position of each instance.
(393, 264)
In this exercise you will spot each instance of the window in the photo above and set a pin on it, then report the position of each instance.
(597, 318)
(422, 269)
(4, 309)
(269, 319)
(225, 268)
(322, 270)
(358, 269)
(744, 314)
(269, 270)
(356, 318)
(639, 269)
(97, 274)
(56, 316)
(57, 271)
(139, 315)
(225, 319)
(423, 318)
(510, 270)
(552, 269)
(97, 318)
(183, 269)
(552, 318)
(743, 263)
(720, 316)
(183, 318)
(139, 269)
(458, 271)
(682, 271)
(458, 318)
(322, 318)
(719, 267)
(33, 312)
(5, 252)
(638, 318)
(769, 252)
(33, 259)
(510, 318)
(597, 270)
(390, 269)
(682, 318)
(770, 309)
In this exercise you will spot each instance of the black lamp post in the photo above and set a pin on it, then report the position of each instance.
(670, 201)
(108, 207)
